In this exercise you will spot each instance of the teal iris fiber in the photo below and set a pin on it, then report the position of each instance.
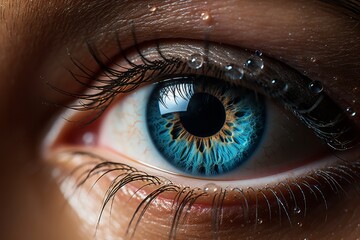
(218, 152)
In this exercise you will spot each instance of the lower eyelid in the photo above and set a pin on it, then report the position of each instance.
(243, 209)
(193, 182)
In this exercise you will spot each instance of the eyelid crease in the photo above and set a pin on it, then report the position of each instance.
(154, 61)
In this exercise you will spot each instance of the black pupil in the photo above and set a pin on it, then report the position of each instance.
(205, 115)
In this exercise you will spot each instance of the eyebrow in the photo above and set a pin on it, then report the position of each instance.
(351, 7)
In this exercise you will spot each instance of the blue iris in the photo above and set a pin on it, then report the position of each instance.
(203, 127)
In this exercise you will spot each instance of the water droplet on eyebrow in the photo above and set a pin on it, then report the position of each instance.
(300, 224)
(316, 87)
(195, 61)
(313, 59)
(152, 8)
(205, 16)
(254, 65)
(234, 72)
(259, 221)
(211, 188)
(351, 112)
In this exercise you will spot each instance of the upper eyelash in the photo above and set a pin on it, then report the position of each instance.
(121, 82)
(338, 131)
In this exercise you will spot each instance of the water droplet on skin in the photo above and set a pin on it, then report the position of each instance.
(284, 87)
(254, 65)
(234, 72)
(195, 61)
(290, 34)
(316, 87)
(55, 173)
(313, 59)
(205, 16)
(88, 138)
(258, 53)
(259, 221)
(278, 85)
(297, 210)
(152, 8)
(351, 112)
(211, 188)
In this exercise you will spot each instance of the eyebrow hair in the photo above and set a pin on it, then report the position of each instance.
(352, 7)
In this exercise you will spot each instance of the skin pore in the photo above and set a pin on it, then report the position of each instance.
(37, 39)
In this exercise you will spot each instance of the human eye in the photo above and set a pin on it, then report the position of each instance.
(265, 146)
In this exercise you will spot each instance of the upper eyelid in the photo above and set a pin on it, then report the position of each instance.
(340, 139)
(291, 50)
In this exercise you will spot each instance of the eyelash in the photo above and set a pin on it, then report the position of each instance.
(319, 184)
(138, 74)
(334, 128)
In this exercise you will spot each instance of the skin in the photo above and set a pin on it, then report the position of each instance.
(36, 38)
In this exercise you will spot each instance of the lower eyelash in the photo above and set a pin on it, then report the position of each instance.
(292, 199)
